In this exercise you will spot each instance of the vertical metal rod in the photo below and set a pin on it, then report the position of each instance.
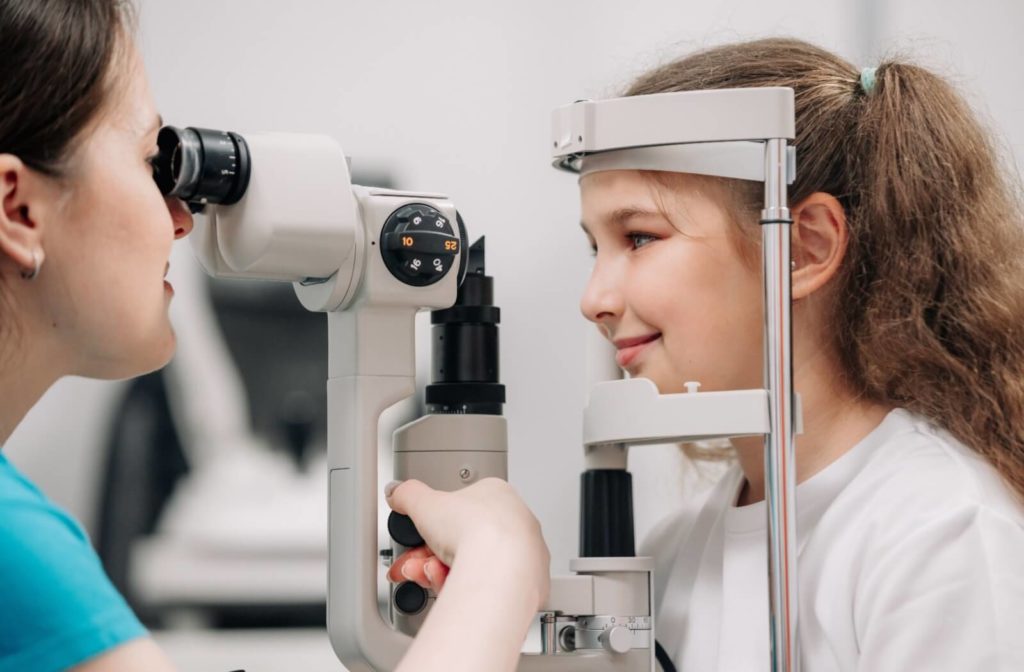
(779, 446)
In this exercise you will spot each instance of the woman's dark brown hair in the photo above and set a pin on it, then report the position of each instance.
(927, 310)
(55, 61)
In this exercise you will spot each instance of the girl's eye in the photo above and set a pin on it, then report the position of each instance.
(640, 239)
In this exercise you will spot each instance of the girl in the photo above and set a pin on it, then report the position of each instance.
(908, 293)
(85, 237)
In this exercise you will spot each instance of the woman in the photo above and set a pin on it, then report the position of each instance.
(85, 238)
(908, 291)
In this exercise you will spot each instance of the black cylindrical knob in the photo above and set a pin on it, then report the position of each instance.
(410, 598)
(403, 530)
(465, 376)
(606, 514)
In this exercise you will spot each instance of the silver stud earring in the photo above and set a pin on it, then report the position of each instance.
(792, 265)
(37, 262)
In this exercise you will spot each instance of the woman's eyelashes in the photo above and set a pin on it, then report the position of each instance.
(151, 163)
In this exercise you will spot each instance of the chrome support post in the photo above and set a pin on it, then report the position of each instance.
(779, 446)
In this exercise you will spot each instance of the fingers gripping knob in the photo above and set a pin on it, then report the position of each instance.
(403, 530)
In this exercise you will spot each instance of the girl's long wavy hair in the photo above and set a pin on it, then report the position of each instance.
(927, 309)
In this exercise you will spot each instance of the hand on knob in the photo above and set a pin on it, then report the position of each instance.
(484, 521)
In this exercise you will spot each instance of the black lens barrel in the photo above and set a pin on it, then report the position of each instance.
(201, 165)
(465, 347)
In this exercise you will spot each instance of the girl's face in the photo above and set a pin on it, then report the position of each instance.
(108, 249)
(669, 286)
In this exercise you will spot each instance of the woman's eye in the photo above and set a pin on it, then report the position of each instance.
(641, 239)
(151, 162)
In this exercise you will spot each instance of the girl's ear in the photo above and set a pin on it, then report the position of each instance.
(819, 242)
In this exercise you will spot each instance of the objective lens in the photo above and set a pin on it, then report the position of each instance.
(201, 166)
(465, 351)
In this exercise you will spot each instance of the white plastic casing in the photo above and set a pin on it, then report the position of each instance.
(718, 115)
(297, 220)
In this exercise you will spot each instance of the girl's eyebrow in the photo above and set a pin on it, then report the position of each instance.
(620, 216)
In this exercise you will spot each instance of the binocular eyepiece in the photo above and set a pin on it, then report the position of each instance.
(202, 166)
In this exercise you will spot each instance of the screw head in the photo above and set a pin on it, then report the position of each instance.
(465, 473)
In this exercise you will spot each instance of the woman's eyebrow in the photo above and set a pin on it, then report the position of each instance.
(157, 124)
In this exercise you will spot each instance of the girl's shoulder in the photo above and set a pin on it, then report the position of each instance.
(920, 472)
(927, 539)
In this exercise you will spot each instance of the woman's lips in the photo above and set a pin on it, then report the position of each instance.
(631, 348)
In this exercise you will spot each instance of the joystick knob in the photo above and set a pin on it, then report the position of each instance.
(403, 530)
(410, 598)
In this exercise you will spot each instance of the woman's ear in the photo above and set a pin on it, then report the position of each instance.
(20, 234)
(819, 241)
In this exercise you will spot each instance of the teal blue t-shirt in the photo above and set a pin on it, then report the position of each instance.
(57, 605)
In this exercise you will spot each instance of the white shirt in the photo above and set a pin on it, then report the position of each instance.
(910, 557)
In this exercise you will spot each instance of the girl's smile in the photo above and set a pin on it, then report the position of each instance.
(631, 348)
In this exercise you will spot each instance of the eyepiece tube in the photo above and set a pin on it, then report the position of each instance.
(202, 166)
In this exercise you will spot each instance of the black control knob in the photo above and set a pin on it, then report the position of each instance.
(403, 530)
(419, 244)
(410, 598)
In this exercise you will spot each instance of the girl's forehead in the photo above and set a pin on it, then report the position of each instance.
(611, 190)
(616, 197)
(613, 180)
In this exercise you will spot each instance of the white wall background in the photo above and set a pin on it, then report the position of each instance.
(455, 96)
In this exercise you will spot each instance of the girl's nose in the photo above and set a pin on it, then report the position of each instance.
(181, 218)
(602, 300)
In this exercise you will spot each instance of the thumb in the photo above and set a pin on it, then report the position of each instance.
(409, 497)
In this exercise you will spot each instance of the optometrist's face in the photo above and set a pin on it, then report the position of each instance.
(107, 259)
(669, 286)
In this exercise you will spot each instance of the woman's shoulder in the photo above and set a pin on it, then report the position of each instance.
(24, 507)
(59, 605)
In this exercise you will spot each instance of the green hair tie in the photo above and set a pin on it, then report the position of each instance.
(867, 79)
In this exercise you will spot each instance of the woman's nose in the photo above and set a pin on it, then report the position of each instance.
(602, 299)
(181, 217)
